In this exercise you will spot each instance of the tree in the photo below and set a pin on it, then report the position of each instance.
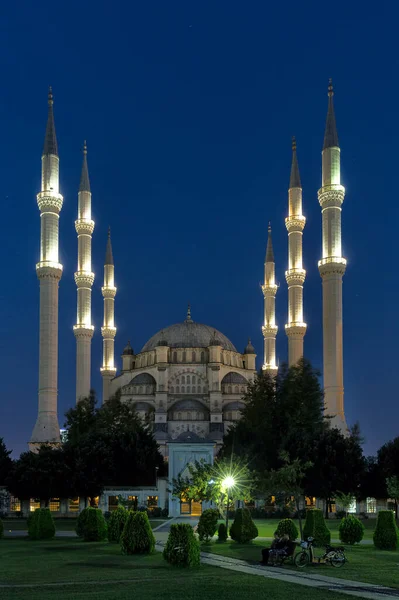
(393, 491)
(207, 483)
(5, 462)
(373, 482)
(338, 465)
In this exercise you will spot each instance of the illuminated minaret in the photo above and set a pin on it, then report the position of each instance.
(108, 330)
(84, 279)
(295, 275)
(49, 271)
(269, 328)
(332, 268)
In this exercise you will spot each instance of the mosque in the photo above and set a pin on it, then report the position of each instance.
(188, 378)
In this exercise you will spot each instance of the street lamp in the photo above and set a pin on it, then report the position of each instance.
(228, 482)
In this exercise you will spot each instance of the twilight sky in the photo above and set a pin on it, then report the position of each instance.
(188, 109)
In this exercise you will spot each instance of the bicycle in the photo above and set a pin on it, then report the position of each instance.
(332, 556)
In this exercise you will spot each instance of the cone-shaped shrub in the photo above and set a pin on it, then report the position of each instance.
(41, 525)
(351, 530)
(1, 529)
(80, 523)
(207, 524)
(182, 548)
(93, 527)
(287, 527)
(116, 524)
(137, 536)
(243, 529)
(386, 533)
(222, 532)
(316, 528)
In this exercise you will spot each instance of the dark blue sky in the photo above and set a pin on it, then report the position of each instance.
(188, 109)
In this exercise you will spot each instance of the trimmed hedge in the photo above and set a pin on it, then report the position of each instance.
(1, 529)
(243, 529)
(287, 527)
(41, 525)
(386, 533)
(207, 524)
(316, 528)
(182, 548)
(116, 523)
(222, 532)
(80, 523)
(351, 530)
(92, 527)
(137, 536)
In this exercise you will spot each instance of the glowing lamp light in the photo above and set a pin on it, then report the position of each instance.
(228, 482)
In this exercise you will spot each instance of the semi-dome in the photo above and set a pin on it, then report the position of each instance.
(188, 334)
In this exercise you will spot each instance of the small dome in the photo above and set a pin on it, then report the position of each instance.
(143, 379)
(127, 350)
(234, 378)
(162, 341)
(249, 349)
(215, 341)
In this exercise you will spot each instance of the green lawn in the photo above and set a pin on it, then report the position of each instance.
(98, 571)
(60, 524)
(365, 563)
(267, 527)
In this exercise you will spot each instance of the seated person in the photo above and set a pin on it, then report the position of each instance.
(278, 544)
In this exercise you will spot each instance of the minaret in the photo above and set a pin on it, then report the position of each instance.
(270, 328)
(49, 271)
(332, 268)
(84, 278)
(295, 275)
(108, 330)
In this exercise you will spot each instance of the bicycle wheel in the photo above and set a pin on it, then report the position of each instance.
(338, 559)
(301, 559)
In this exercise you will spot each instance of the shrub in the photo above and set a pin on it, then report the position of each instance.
(137, 536)
(243, 529)
(41, 525)
(116, 524)
(91, 525)
(222, 532)
(287, 527)
(316, 528)
(1, 529)
(107, 515)
(351, 530)
(182, 548)
(340, 514)
(208, 524)
(386, 534)
(156, 512)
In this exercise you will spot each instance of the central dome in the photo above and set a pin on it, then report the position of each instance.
(188, 334)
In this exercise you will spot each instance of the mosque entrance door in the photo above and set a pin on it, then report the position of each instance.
(190, 508)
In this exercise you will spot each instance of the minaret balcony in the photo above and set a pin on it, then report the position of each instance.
(108, 292)
(84, 226)
(331, 265)
(295, 223)
(108, 332)
(84, 279)
(48, 269)
(108, 372)
(331, 196)
(49, 202)
(269, 289)
(269, 331)
(295, 276)
(271, 369)
(296, 329)
(83, 331)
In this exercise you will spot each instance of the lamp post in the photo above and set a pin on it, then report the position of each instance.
(228, 483)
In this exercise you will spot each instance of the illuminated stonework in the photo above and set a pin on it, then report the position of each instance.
(108, 330)
(49, 271)
(269, 328)
(332, 268)
(296, 274)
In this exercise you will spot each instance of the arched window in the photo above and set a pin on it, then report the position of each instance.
(193, 389)
(141, 389)
(194, 357)
(178, 381)
(200, 416)
(199, 389)
(233, 360)
(189, 416)
(202, 357)
(193, 379)
(229, 389)
(172, 389)
(175, 357)
(179, 416)
(184, 357)
(188, 378)
(182, 389)
(183, 379)
(135, 389)
(236, 390)
(242, 389)
(177, 389)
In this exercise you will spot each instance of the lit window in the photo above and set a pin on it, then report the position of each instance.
(34, 504)
(352, 506)
(371, 505)
(73, 504)
(152, 502)
(15, 504)
(54, 504)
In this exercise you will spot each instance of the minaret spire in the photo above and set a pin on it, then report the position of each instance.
(295, 275)
(332, 267)
(84, 278)
(108, 330)
(188, 317)
(49, 271)
(269, 328)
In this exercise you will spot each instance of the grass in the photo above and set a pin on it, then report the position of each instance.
(365, 563)
(267, 527)
(60, 524)
(98, 571)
